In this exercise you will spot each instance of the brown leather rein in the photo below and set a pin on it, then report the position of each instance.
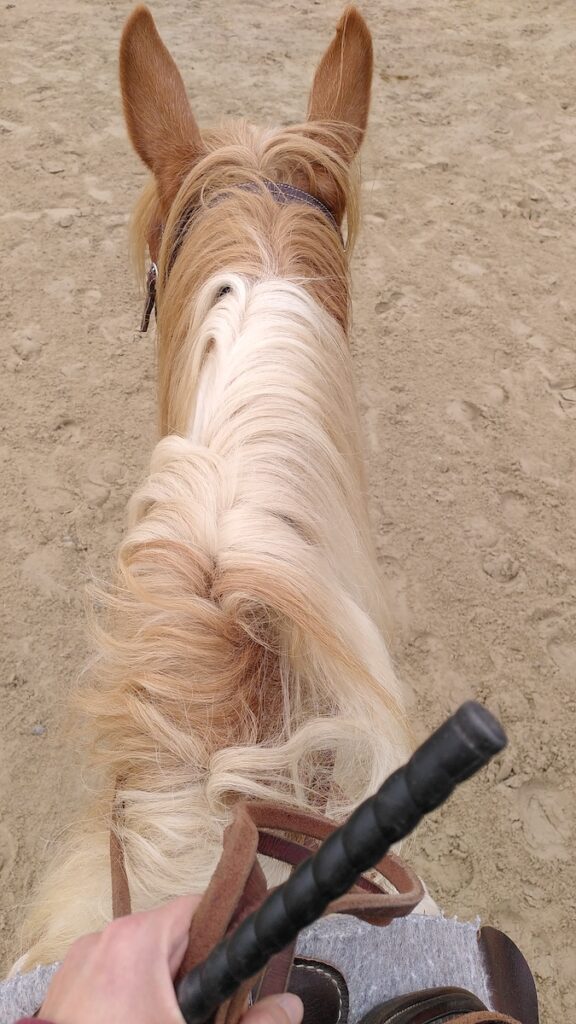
(282, 192)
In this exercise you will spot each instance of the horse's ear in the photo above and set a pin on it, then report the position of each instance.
(160, 121)
(341, 88)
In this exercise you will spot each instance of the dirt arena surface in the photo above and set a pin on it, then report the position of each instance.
(465, 316)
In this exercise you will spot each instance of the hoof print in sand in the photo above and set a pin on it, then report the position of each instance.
(462, 411)
(501, 567)
(563, 653)
(545, 813)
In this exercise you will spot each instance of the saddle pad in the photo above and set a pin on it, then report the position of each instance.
(412, 953)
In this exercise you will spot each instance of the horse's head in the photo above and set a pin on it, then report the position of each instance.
(166, 136)
(212, 207)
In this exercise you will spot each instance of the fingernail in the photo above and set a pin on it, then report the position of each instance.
(292, 1007)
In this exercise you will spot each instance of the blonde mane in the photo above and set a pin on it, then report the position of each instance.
(241, 652)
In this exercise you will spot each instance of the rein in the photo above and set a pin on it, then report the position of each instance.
(281, 192)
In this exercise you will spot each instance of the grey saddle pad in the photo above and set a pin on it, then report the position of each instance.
(378, 963)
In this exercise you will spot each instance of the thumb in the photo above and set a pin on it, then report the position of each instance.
(281, 1009)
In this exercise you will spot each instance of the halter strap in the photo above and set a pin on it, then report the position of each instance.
(281, 192)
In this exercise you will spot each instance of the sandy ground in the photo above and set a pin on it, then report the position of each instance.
(464, 334)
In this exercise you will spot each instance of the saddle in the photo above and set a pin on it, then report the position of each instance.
(390, 891)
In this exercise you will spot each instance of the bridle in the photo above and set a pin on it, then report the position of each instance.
(280, 191)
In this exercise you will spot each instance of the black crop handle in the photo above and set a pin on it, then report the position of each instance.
(462, 745)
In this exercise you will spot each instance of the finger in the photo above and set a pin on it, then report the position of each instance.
(174, 915)
(170, 921)
(171, 927)
(178, 913)
(283, 1009)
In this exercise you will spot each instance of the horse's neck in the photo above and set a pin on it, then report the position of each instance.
(274, 401)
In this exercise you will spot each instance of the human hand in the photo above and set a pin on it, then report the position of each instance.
(125, 974)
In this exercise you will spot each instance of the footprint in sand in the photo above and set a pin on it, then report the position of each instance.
(462, 411)
(91, 298)
(538, 469)
(27, 343)
(104, 471)
(65, 427)
(48, 493)
(567, 401)
(546, 813)
(430, 659)
(547, 620)
(7, 852)
(562, 650)
(73, 371)
(63, 216)
(559, 372)
(483, 532)
(447, 869)
(386, 524)
(509, 917)
(501, 566)
(428, 649)
(45, 570)
(387, 302)
(494, 395)
(396, 586)
(101, 195)
(62, 289)
(467, 268)
(514, 507)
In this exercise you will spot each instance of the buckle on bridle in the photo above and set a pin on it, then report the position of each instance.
(151, 280)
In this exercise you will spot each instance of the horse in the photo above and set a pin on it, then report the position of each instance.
(243, 647)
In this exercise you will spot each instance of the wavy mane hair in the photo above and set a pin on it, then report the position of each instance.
(242, 652)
